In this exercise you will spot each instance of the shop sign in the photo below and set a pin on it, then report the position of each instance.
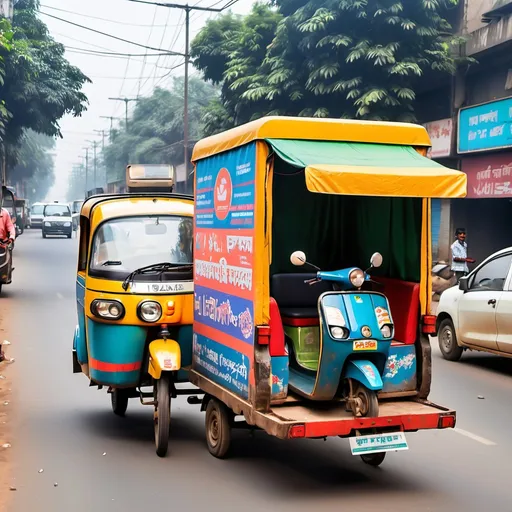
(485, 127)
(489, 176)
(440, 133)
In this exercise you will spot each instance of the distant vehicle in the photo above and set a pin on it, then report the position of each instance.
(477, 314)
(57, 220)
(76, 206)
(36, 215)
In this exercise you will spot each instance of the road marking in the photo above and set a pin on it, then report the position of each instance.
(60, 296)
(476, 438)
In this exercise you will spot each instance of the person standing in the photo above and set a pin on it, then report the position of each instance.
(460, 258)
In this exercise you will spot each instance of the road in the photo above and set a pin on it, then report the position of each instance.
(64, 428)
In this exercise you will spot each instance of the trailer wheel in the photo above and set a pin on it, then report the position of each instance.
(374, 459)
(119, 399)
(218, 428)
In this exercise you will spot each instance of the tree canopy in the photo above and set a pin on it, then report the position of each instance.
(325, 58)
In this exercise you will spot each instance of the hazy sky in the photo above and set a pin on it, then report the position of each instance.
(120, 77)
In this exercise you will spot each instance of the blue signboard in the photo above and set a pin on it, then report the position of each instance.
(485, 127)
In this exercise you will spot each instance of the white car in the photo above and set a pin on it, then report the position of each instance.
(477, 314)
(57, 220)
(37, 215)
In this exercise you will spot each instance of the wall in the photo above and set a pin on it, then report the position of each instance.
(475, 9)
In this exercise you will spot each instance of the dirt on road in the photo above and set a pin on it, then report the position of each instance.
(5, 436)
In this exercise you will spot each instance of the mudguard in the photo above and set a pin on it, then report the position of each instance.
(164, 356)
(366, 373)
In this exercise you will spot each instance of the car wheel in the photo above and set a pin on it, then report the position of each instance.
(448, 341)
(44, 234)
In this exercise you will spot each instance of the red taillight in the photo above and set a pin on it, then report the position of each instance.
(297, 431)
(447, 421)
(263, 335)
(429, 324)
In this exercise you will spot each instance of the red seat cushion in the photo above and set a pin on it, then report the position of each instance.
(276, 345)
(404, 301)
(301, 322)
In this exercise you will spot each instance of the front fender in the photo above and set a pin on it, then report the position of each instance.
(366, 373)
(164, 356)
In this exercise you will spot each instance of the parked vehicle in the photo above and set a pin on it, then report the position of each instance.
(477, 314)
(339, 191)
(37, 215)
(57, 220)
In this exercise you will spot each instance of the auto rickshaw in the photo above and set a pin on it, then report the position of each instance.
(282, 337)
(6, 268)
(135, 295)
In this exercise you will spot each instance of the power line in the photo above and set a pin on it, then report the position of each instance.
(116, 54)
(111, 36)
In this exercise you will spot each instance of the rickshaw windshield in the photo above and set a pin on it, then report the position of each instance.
(125, 245)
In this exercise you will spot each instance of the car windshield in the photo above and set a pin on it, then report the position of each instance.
(125, 245)
(57, 210)
(38, 209)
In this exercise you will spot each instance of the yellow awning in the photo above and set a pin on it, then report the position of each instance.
(433, 182)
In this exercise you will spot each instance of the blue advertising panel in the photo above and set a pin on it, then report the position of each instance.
(224, 290)
(485, 127)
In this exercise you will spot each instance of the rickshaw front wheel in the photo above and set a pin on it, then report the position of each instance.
(374, 459)
(366, 403)
(218, 428)
(162, 414)
(119, 399)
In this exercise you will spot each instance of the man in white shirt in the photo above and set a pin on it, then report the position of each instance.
(460, 258)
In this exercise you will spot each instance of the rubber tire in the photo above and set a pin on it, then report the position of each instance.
(119, 399)
(1, 284)
(218, 428)
(453, 352)
(163, 408)
(374, 459)
(44, 234)
(371, 399)
(70, 235)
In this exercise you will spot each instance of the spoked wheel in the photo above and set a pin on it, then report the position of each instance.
(218, 428)
(365, 402)
(374, 459)
(119, 399)
(162, 415)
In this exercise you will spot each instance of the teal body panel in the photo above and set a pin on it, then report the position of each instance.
(80, 340)
(358, 311)
(115, 345)
(400, 374)
(364, 372)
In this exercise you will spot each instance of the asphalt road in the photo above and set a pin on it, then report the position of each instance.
(64, 428)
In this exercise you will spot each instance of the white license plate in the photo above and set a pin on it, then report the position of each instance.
(378, 443)
(168, 288)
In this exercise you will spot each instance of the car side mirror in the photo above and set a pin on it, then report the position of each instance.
(464, 284)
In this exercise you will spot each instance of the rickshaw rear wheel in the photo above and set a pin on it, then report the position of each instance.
(218, 428)
(162, 415)
(374, 459)
(119, 399)
(367, 403)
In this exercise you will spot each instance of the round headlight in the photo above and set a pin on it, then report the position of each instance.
(48, 224)
(107, 309)
(337, 332)
(356, 278)
(386, 331)
(150, 311)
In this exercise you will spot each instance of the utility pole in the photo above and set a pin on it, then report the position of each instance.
(187, 8)
(94, 145)
(111, 124)
(102, 132)
(126, 101)
(86, 171)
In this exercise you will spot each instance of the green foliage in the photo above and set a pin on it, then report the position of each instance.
(338, 58)
(155, 130)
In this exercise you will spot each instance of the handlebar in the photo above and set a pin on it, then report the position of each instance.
(312, 281)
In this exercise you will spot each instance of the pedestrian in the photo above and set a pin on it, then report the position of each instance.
(460, 258)
(7, 230)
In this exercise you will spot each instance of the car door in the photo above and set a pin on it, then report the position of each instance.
(478, 306)
(504, 317)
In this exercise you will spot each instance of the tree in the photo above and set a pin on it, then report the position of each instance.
(155, 131)
(336, 58)
(39, 86)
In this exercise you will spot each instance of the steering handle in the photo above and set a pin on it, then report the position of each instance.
(312, 281)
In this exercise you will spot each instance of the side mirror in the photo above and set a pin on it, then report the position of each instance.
(464, 284)
(298, 258)
(376, 260)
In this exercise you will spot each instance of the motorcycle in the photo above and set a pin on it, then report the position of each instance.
(352, 343)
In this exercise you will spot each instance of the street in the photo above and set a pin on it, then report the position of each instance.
(92, 460)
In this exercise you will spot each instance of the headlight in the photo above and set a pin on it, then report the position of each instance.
(150, 311)
(386, 331)
(357, 278)
(48, 224)
(107, 309)
(339, 333)
(67, 224)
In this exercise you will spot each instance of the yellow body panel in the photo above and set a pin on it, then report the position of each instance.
(303, 128)
(164, 356)
(183, 305)
(435, 182)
